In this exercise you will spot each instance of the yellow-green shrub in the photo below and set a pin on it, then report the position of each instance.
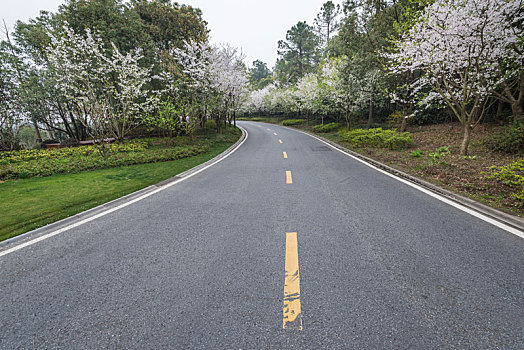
(326, 127)
(289, 122)
(377, 138)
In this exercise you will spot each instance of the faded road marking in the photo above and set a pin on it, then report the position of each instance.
(292, 314)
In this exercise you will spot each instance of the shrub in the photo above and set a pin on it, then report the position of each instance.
(289, 122)
(378, 138)
(511, 175)
(510, 139)
(326, 127)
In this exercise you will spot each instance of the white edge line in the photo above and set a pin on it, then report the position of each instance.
(428, 192)
(94, 217)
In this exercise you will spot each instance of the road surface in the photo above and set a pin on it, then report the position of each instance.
(286, 243)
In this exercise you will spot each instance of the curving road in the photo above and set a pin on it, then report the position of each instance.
(312, 251)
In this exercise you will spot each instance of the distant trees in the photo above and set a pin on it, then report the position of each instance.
(259, 75)
(326, 23)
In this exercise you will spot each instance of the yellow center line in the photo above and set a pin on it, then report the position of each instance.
(289, 179)
(292, 314)
(279, 140)
(285, 155)
(275, 133)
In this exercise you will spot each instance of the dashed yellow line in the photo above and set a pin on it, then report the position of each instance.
(285, 155)
(292, 313)
(289, 179)
(279, 140)
(275, 133)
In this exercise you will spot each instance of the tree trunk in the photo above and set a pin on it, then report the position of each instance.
(371, 116)
(516, 109)
(348, 124)
(465, 140)
(37, 131)
(235, 119)
(403, 124)
(500, 109)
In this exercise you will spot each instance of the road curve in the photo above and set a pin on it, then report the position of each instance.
(306, 249)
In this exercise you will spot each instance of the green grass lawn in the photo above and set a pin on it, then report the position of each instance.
(27, 204)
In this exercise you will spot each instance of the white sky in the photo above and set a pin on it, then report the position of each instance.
(254, 26)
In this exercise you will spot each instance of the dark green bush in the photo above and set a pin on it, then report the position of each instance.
(327, 127)
(510, 139)
(289, 122)
(378, 138)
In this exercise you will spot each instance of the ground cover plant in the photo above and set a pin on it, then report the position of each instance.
(31, 203)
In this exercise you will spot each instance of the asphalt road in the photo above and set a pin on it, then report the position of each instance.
(201, 265)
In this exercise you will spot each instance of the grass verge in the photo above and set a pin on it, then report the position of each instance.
(31, 203)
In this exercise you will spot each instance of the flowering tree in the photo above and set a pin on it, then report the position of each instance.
(256, 103)
(10, 116)
(215, 79)
(344, 85)
(106, 86)
(461, 47)
(308, 95)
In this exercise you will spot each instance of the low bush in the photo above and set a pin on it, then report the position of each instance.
(326, 127)
(509, 140)
(77, 162)
(31, 154)
(511, 175)
(378, 138)
(290, 122)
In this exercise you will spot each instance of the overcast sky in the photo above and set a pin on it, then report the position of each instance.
(254, 26)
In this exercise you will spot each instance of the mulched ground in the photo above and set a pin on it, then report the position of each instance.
(465, 176)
